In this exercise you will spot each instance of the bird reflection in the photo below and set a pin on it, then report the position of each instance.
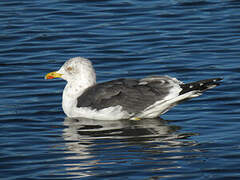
(95, 143)
(81, 128)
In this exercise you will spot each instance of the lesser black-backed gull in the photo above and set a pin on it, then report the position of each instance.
(122, 98)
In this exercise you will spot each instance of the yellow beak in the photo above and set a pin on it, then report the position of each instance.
(52, 75)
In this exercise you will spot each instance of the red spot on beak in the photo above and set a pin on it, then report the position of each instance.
(50, 77)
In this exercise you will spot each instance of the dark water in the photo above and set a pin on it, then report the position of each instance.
(190, 40)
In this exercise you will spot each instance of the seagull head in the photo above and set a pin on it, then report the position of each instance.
(74, 69)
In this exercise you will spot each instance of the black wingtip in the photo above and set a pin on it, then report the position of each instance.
(215, 81)
(218, 79)
(201, 85)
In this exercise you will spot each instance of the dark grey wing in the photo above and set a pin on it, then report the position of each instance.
(99, 95)
(133, 95)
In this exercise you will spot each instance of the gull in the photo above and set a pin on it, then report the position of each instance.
(133, 99)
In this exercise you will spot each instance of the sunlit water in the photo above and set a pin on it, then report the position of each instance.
(190, 40)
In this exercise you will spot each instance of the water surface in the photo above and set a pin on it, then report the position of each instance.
(190, 40)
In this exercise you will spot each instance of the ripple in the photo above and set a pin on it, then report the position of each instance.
(190, 40)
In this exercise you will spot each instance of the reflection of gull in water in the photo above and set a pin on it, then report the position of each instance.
(92, 129)
(107, 143)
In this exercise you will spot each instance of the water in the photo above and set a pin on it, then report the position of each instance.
(190, 40)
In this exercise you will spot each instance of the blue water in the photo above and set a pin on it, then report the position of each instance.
(190, 40)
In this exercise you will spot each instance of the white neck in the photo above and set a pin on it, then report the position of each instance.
(74, 88)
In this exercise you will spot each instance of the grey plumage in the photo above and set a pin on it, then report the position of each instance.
(136, 95)
(128, 93)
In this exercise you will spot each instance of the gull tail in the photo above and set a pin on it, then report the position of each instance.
(200, 86)
(189, 90)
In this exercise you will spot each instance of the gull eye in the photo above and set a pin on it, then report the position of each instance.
(69, 69)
